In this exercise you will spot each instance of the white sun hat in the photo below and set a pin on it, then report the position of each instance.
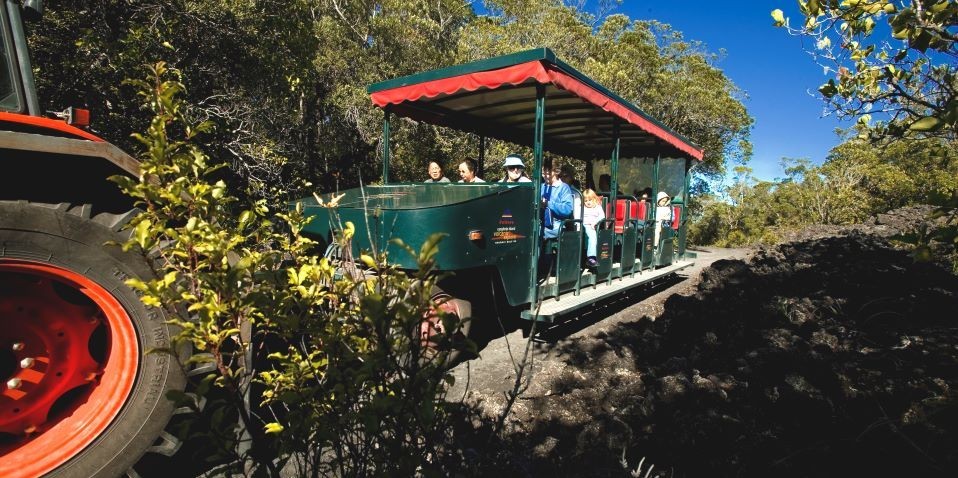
(513, 160)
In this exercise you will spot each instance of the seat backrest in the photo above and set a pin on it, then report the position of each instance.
(620, 208)
(676, 217)
(642, 210)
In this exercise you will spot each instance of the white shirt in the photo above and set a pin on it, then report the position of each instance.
(592, 215)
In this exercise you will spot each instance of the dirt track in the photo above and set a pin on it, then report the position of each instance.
(485, 380)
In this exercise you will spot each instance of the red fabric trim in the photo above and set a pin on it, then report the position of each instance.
(586, 92)
(492, 79)
(48, 123)
(539, 72)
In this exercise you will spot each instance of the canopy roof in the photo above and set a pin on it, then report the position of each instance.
(496, 98)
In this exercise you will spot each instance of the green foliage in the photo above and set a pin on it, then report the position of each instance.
(284, 82)
(895, 59)
(338, 378)
(910, 81)
(648, 63)
(857, 181)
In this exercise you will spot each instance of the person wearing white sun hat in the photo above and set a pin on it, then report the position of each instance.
(515, 170)
(663, 213)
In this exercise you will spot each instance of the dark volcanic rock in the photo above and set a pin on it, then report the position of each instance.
(833, 356)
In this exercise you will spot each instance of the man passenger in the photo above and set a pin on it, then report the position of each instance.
(435, 173)
(467, 171)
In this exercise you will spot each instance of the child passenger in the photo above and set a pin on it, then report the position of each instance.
(592, 215)
(663, 214)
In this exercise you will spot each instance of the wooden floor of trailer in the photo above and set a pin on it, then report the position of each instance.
(567, 303)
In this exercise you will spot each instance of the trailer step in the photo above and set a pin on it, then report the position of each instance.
(567, 303)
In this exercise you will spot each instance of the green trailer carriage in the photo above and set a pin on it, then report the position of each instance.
(494, 243)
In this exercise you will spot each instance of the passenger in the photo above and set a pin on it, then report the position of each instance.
(467, 171)
(556, 202)
(646, 195)
(435, 173)
(515, 170)
(663, 214)
(605, 184)
(592, 215)
(567, 175)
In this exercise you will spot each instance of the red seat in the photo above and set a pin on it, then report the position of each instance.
(676, 217)
(620, 213)
(642, 212)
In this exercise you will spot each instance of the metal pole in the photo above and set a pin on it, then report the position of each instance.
(685, 208)
(614, 186)
(23, 59)
(482, 157)
(537, 186)
(655, 187)
(386, 148)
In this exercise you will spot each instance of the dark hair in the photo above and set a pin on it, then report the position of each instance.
(438, 163)
(470, 164)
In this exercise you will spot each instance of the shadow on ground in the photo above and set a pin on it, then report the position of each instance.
(836, 356)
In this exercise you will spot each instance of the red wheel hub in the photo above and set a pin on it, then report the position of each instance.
(68, 359)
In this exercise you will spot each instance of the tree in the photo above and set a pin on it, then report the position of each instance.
(648, 63)
(895, 60)
(282, 82)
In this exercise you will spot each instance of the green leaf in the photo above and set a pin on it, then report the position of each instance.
(928, 123)
(829, 89)
(142, 234)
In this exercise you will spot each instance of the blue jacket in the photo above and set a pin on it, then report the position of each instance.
(558, 207)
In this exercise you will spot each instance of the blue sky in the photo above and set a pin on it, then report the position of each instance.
(765, 62)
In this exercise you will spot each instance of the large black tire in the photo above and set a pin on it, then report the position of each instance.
(70, 243)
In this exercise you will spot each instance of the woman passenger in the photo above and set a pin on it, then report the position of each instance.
(467, 171)
(515, 170)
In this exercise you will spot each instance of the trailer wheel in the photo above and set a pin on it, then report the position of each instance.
(79, 396)
(432, 324)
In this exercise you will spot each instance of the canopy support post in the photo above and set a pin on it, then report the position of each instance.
(614, 184)
(480, 169)
(683, 233)
(386, 147)
(537, 202)
(655, 187)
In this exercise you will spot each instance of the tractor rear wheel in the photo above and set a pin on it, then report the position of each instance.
(79, 395)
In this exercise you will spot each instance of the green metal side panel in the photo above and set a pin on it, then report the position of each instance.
(605, 238)
(648, 245)
(629, 238)
(501, 214)
(666, 247)
(569, 260)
